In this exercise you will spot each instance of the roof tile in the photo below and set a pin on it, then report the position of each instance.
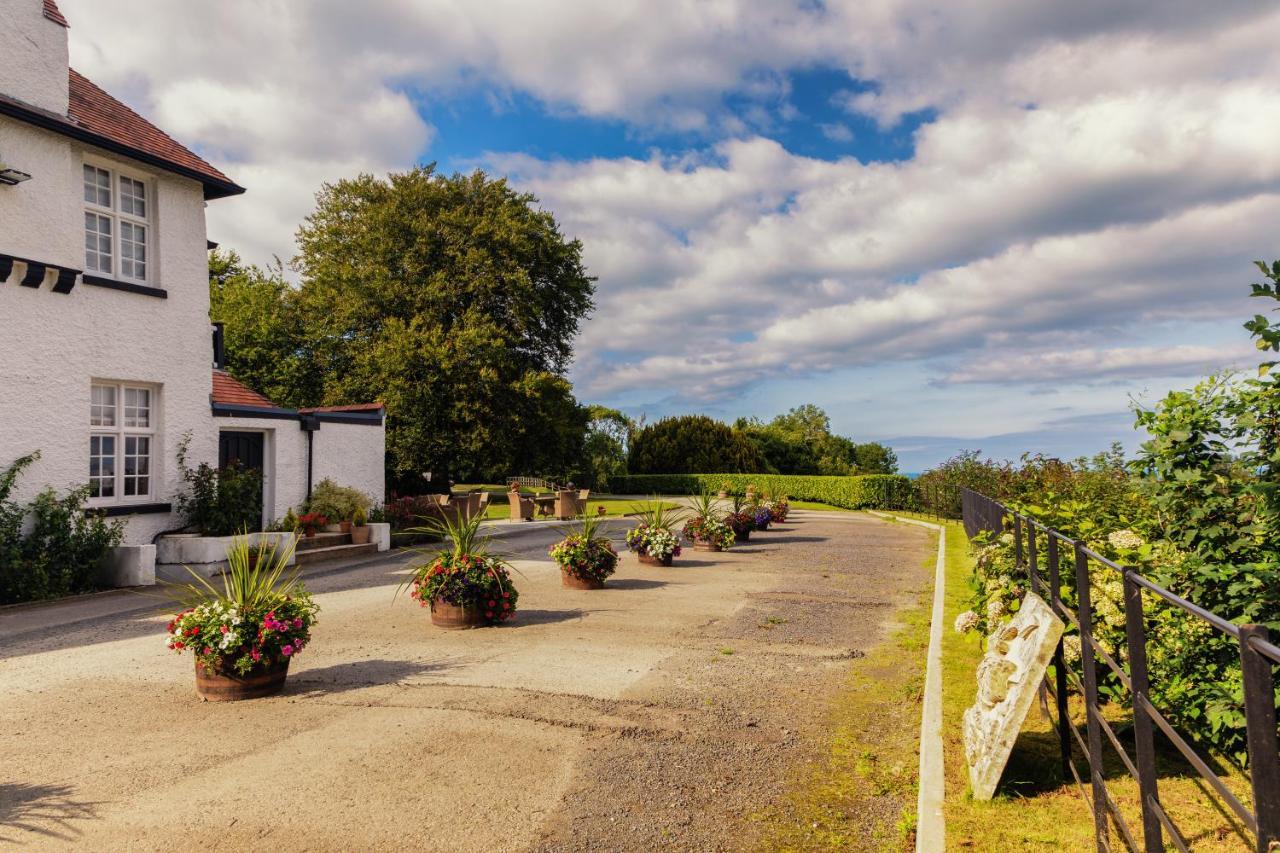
(229, 391)
(51, 12)
(96, 111)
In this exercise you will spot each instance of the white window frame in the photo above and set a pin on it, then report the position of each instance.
(120, 430)
(119, 218)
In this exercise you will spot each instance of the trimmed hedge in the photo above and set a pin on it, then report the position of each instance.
(868, 491)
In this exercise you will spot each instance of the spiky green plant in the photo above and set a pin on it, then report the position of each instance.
(247, 584)
(706, 505)
(657, 514)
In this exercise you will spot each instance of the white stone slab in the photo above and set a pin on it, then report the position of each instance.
(1009, 675)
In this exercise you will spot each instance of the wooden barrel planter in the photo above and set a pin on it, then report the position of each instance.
(700, 545)
(572, 581)
(217, 687)
(742, 535)
(453, 617)
(654, 561)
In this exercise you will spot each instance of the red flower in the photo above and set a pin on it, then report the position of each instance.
(488, 614)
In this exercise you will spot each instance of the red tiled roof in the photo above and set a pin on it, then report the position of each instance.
(96, 111)
(228, 391)
(51, 12)
(356, 407)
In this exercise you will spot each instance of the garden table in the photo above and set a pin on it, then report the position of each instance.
(545, 504)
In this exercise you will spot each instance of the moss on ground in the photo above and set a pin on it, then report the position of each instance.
(861, 792)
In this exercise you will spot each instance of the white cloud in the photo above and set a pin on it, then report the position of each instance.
(1096, 169)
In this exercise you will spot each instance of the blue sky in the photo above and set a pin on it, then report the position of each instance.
(987, 224)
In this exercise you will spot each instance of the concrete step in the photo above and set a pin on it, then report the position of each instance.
(323, 540)
(335, 552)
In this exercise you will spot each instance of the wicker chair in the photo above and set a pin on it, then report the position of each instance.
(567, 505)
(521, 507)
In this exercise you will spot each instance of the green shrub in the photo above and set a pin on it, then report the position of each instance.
(337, 503)
(219, 502)
(869, 491)
(60, 553)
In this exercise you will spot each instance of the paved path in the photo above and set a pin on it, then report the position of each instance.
(660, 712)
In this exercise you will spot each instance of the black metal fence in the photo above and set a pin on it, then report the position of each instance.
(1258, 657)
(935, 499)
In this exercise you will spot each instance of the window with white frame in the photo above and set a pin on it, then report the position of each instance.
(117, 224)
(121, 442)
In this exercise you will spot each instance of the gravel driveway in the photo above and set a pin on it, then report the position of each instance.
(663, 711)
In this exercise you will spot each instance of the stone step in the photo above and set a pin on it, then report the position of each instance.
(335, 552)
(323, 540)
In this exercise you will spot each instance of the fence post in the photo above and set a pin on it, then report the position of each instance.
(1017, 540)
(1033, 569)
(1260, 723)
(1135, 629)
(1101, 832)
(1059, 663)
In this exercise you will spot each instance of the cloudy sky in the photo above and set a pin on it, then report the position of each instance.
(957, 223)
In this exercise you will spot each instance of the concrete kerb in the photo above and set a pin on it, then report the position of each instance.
(930, 821)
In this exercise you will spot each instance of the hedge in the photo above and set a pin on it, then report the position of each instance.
(868, 491)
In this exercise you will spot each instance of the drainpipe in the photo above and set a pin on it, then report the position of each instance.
(310, 423)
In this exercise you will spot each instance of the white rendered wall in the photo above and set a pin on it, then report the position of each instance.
(33, 59)
(352, 455)
(53, 345)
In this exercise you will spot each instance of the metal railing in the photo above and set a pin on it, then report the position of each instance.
(1258, 657)
(935, 499)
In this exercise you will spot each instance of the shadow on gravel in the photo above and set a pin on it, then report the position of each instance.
(682, 563)
(543, 617)
(357, 675)
(633, 583)
(782, 540)
(41, 809)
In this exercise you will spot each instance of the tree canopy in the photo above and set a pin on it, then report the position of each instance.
(454, 300)
(693, 444)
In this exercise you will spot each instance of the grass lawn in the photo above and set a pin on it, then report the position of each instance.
(614, 507)
(1034, 809)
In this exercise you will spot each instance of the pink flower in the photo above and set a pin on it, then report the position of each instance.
(255, 654)
(287, 650)
(297, 623)
(225, 629)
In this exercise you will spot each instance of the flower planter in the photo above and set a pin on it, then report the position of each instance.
(361, 535)
(572, 581)
(655, 561)
(699, 545)
(218, 687)
(453, 617)
(741, 535)
(344, 527)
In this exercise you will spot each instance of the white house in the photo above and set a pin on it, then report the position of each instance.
(106, 350)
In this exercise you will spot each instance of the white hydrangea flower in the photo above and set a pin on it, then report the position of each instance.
(1125, 540)
(995, 609)
(966, 622)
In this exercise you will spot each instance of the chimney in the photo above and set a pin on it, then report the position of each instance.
(33, 42)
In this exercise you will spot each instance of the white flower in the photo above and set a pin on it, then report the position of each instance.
(1007, 538)
(1125, 540)
(995, 609)
(966, 622)
(1071, 648)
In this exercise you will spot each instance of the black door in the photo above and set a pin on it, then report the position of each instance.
(242, 447)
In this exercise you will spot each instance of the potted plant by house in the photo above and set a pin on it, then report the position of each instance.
(465, 584)
(310, 522)
(705, 529)
(337, 503)
(740, 521)
(778, 509)
(360, 530)
(653, 539)
(244, 635)
(585, 557)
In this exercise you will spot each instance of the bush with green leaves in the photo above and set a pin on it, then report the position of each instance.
(219, 501)
(59, 551)
(869, 491)
(337, 503)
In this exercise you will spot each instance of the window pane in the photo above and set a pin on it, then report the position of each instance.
(137, 459)
(133, 250)
(102, 408)
(133, 197)
(97, 186)
(97, 241)
(102, 466)
(137, 407)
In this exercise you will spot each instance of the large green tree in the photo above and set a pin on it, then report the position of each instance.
(452, 299)
(693, 444)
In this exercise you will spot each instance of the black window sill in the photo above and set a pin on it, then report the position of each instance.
(130, 509)
(127, 287)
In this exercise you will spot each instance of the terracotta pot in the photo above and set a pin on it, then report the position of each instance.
(700, 545)
(216, 687)
(344, 527)
(742, 536)
(361, 535)
(654, 561)
(722, 494)
(572, 581)
(253, 559)
(446, 615)
(309, 533)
